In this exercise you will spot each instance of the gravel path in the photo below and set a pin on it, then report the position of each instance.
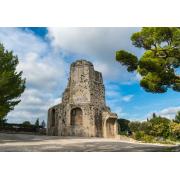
(35, 143)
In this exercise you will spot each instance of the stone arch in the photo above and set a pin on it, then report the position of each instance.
(110, 127)
(76, 117)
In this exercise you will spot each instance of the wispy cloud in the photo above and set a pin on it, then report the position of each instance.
(127, 98)
(169, 112)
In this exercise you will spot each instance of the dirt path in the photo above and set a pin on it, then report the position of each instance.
(34, 143)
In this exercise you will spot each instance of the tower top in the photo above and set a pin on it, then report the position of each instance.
(85, 85)
(81, 62)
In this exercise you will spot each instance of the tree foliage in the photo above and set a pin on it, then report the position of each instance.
(43, 124)
(159, 126)
(175, 130)
(160, 61)
(177, 117)
(146, 127)
(11, 83)
(127, 59)
(37, 123)
(134, 126)
(123, 124)
(26, 124)
(155, 128)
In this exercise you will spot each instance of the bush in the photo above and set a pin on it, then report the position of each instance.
(146, 127)
(160, 127)
(123, 133)
(148, 138)
(157, 129)
(138, 135)
(141, 136)
(134, 126)
(26, 124)
(175, 130)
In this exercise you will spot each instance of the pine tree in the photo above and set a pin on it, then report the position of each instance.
(161, 59)
(43, 124)
(37, 123)
(12, 84)
(154, 115)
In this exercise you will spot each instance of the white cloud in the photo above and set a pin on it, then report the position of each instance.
(99, 46)
(127, 98)
(22, 42)
(169, 112)
(34, 105)
(44, 71)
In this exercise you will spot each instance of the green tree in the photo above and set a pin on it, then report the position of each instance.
(37, 123)
(160, 126)
(11, 83)
(177, 117)
(145, 126)
(154, 115)
(134, 126)
(123, 125)
(160, 61)
(43, 124)
(175, 130)
(26, 124)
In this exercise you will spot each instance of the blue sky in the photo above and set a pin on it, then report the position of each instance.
(45, 55)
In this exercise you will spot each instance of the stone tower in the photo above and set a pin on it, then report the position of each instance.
(83, 111)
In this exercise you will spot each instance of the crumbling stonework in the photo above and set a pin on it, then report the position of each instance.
(83, 111)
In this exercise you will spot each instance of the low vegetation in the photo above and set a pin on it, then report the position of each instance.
(156, 129)
(25, 127)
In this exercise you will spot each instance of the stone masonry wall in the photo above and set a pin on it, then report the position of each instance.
(85, 91)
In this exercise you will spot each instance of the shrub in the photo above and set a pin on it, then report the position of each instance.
(157, 129)
(138, 135)
(175, 130)
(141, 136)
(134, 126)
(148, 138)
(125, 133)
(160, 126)
(146, 127)
(26, 124)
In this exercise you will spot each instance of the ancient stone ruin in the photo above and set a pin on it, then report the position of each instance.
(83, 111)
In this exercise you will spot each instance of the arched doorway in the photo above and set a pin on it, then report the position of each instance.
(110, 127)
(76, 117)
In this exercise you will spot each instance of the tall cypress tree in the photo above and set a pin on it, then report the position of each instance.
(12, 84)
